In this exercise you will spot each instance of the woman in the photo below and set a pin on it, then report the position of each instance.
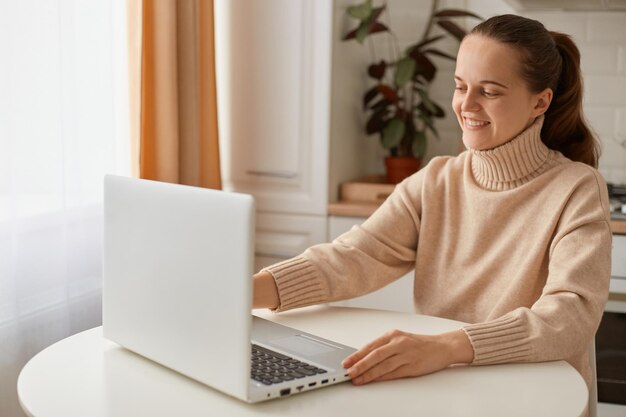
(511, 236)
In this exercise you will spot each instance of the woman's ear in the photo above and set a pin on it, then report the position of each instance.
(543, 100)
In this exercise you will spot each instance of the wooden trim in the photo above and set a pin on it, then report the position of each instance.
(614, 296)
(618, 227)
(352, 209)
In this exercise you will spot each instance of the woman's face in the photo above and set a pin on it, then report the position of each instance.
(492, 102)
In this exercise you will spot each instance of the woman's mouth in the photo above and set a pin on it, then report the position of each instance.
(473, 123)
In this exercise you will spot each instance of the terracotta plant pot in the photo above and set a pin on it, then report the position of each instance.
(400, 167)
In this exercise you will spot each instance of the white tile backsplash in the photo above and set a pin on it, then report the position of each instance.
(620, 125)
(606, 27)
(599, 58)
(572, 23)
(605, 90)
(603, 64)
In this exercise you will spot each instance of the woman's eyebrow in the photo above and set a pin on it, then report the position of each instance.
(494, 82)
(456, 77)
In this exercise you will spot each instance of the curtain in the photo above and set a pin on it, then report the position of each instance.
(63, 125)
(177, 110)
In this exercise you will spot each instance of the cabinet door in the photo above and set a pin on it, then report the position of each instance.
(273, 62)
(282, 236)
(397, 296)
(618, 259)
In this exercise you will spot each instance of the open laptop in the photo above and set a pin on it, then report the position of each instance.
(178, 265)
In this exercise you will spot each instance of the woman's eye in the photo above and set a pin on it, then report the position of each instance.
(460, 88)
(489, 93)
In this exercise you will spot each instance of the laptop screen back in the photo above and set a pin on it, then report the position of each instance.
(177, 276)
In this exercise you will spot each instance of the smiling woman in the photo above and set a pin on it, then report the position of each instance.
(511, 236)
(492, 103)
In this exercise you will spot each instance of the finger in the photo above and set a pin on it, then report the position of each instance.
(389, 366)
(371, 360)
(365, 350)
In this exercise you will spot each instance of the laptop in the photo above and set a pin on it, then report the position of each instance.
(178, 266)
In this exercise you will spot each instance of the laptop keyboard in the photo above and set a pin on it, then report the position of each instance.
(269, 367)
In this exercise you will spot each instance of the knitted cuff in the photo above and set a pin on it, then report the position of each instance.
(298, 283)
(499, 341)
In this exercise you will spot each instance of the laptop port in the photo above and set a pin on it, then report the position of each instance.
(285, 391)
(312, 384)
(324, 381)
(299, 387)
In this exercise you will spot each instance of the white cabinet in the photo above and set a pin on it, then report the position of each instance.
(617, 288)
(397, 296)
(618, 260)
(282, 236)
(273, 62)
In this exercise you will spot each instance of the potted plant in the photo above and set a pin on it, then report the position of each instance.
(399, 107)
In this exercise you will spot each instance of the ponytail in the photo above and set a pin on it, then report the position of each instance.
(550, 60)
(564, 128)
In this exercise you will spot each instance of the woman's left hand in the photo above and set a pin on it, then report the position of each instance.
(399, 354)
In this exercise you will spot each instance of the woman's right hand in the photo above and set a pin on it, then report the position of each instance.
(265, 293)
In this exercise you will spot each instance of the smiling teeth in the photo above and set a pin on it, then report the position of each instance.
(475, 123)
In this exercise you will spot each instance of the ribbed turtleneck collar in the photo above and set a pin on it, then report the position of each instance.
(514, 163)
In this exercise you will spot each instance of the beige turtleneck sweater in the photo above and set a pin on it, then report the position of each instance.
(514, 240)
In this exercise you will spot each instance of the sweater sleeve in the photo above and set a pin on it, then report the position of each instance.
(562, 322)
(360, 261)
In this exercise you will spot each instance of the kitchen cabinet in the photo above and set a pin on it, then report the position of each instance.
(273, 63)
(282, 236)
(273, 72)
(617, 296)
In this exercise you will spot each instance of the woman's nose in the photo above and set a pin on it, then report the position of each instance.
(470, 102)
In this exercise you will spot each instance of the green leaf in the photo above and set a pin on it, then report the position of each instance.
(428, 121)
(430, 106)
(362, 31)
(404, 71)
(419, 144)
(439, 114)
(361, 11)
(368, 26)
(393, 132)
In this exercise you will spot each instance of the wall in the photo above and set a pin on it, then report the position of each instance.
(601, 38)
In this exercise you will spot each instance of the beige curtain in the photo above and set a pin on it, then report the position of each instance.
(173, 96)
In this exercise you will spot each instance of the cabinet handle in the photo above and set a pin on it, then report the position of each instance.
(275, 174)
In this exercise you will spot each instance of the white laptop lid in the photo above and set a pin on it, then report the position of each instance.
(194, 323)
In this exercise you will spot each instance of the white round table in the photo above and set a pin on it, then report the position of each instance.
(88, 375)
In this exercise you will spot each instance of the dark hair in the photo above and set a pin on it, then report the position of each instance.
(550, 60)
